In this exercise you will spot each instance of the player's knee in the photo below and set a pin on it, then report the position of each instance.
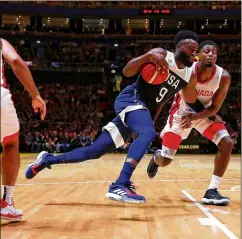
(97, 155)
(226, 144)
(149, 134)
(13, 143)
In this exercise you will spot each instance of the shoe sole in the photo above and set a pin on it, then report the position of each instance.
(10, 219)
(30, 165)
(118, 198)
(215, 202)
(148, 169)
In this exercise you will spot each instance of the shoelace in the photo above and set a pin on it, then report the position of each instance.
(216, 190)
(132, 187)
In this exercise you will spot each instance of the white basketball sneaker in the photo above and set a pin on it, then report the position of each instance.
(9, 212)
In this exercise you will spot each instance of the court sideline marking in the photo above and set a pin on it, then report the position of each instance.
(221, 226)
(106, 181)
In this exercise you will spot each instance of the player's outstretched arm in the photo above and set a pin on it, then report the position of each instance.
(217, 100)
(22, 72)
(156, 56)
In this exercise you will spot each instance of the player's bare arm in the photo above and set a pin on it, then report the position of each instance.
(22, 72)
(156, 56)
(189, 92)
(20, 68)
(218, 98)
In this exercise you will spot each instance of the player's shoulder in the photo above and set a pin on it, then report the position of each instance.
(224, 73)
(226, 77)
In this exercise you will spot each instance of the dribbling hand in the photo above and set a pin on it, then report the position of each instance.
(159, 60)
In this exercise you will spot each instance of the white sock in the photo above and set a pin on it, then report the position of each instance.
(215, 181)
(7, 194)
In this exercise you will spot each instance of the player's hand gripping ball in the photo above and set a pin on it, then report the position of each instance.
(153, 76)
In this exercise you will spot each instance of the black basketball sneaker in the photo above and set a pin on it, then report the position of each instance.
(152, 168)
(213, 197)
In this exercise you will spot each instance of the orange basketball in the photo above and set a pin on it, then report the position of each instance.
(152, 76)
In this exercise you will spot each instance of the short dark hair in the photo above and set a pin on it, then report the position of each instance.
(207, 42)
(185, 34)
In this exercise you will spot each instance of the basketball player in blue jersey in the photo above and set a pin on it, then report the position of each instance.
(133, 107)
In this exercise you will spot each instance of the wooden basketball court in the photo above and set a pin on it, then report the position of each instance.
(68, 202)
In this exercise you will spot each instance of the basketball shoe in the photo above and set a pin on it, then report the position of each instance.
(152, 168)
(38, 165)
(124, 193)
(9, 212)
(213, 197)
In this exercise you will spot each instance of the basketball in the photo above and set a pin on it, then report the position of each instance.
(152, 76)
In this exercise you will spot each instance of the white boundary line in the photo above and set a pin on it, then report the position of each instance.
(234, 189)
(204, 190)
(221, 226)
(106, 181)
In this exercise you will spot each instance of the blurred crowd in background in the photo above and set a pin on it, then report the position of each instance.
(80, 103)
(229, 52)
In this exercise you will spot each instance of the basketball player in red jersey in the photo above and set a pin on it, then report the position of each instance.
(10, 126)
(212, 86)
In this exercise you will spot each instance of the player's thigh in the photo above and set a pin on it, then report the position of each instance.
(173, 125)
(140, 121)
(172, 136)
(211, 130)
(9, 121)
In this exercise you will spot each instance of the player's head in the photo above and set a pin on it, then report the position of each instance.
(208, 53)
(186, 46)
